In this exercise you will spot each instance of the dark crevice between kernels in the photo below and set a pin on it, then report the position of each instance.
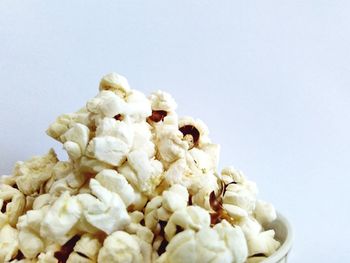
(82, 255)
(66, 249)
(19, 255)
(158, 115)
(164, 243)
(258, 255)
(4, 205)
(162, 247)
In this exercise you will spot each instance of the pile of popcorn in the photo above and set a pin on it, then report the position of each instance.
(140, 185)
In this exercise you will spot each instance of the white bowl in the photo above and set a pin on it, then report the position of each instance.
(284, 234)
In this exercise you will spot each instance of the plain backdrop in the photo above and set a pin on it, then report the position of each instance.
(271, 79)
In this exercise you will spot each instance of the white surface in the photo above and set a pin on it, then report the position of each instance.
(270, 78)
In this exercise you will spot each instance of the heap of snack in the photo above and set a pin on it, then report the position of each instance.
(140, 185)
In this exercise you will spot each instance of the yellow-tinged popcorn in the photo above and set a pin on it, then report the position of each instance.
(13, 203)
(8, 243)
(30, 175)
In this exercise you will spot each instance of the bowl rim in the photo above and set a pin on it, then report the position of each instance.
(287, 244)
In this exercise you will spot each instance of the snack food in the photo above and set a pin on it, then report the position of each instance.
(140, 185)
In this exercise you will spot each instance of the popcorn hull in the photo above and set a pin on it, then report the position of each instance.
(284, 234)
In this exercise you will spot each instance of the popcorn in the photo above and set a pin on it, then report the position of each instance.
(107, 212)
(118, 129)
(65, 121)
(30, 175)
(13, 203)
(149, 173)
(75, 140)
(107, 104)
(8, 243)
(120, 247)
(30, 242)
(263, 243)
(115, 182)
(193, 217)
(61, 218)
(108, 149)
(140, 185)
(116, 83)
(85, 250)
(207, 245)
(264, 212)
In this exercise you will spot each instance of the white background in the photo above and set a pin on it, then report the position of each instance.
(270, 78)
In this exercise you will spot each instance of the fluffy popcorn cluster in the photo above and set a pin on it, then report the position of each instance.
(140, 185)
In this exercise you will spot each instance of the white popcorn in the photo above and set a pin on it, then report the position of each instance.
(107, 104)
(230, 174)
(250, 226)
(193, 217)
(120, 247)
(107, 212)
(118, 129)
(8, 243)
(73, 150)
(77, 134)
(241, 196)
(30, 175)
(115, 182)
(234, 240)
(175, 198)
(169, 143)
(116, 83)
(179, 173)
(161, 100)
(61, 218)
(263, 243)
(30, 242)
(108, 149)
(139, 107)
(264, 212)
(149, 172)
(235, 211)
(205, 161)
(206, 245)
(143, 139)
